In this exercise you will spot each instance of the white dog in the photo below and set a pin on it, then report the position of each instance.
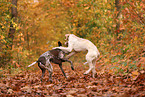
(79, 44)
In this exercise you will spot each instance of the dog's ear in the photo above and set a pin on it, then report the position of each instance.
(66, 36)
(59, 43)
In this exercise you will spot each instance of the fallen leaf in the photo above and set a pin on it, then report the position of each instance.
(26, 89)
(135, 72)
(10, 91)
(69, 96)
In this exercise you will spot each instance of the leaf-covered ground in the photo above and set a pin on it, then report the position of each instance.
(27, 83)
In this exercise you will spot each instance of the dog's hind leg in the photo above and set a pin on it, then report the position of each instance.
(94, 70)
(50, 73)
(90, 68)
(85, 63)
(43, 69)
(60, 65)
(43, 72)
(48, 67)
(89, 59)
(50, 70)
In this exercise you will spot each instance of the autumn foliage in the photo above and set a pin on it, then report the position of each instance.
(119, 35)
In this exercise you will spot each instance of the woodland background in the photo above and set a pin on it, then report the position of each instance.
(28, 28)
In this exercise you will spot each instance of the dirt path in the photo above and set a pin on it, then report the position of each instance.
(77, 85)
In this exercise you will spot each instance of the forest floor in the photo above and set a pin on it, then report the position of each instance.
(27, 83)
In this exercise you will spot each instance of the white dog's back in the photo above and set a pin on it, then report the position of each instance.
(82, 44)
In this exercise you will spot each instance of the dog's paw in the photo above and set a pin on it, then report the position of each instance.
(85, 63)
(94, 75)
(85, 73)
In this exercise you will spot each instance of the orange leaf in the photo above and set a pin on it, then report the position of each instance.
(17, 65)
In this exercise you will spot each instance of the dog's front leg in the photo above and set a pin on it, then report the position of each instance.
(60, 65)
(65, 59)
(66, 49)
(72, 67)
(71, 54)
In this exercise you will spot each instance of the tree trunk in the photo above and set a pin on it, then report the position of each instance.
(12, 28)
(118, 7)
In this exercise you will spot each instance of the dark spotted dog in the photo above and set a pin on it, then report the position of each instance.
(56, 56)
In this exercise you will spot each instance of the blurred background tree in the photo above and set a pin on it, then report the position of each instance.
(116, 27)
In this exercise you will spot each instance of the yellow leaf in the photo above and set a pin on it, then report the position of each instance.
(2, 37)
(135, 38)
(86, 7)
(17, 65)
(135, 73)
(106, 60)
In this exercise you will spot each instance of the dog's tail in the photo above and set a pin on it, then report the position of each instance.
(32, 64)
